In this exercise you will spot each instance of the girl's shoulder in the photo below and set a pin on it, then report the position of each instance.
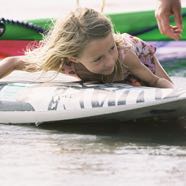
(136, 44)
(133, 41)
(123, 44)
(128, 39)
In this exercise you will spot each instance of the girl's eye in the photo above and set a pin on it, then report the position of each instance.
(101, 57)
(98, 59)
(112, 48)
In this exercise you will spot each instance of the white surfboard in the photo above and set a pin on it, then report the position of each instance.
(32, 98)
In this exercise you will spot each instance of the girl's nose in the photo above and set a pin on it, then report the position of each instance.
(110, 61)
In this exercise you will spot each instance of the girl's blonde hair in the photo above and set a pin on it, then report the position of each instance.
(69, 37)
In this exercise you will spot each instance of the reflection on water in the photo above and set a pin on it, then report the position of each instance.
(137, 153)
(175, 67)
(142, 153)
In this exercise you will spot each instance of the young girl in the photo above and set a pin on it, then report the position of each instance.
(85, 46)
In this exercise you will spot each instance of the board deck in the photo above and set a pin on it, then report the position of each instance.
(67, 98)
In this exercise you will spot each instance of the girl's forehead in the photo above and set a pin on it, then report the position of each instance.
(99, 46)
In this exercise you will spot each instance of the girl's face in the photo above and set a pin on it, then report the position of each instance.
(100, 55)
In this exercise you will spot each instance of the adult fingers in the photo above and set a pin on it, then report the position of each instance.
(178, 20)
(167, 29)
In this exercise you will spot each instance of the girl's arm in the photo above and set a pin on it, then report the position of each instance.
(9, 64)
(142, 72)
(160, 72)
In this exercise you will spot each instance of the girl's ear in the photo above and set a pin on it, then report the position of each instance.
(73, 59)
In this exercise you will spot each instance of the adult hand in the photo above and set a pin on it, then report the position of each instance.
(164, 10)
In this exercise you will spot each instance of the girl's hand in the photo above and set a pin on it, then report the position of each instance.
(162, 83)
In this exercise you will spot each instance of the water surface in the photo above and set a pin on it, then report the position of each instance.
(77, 154)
